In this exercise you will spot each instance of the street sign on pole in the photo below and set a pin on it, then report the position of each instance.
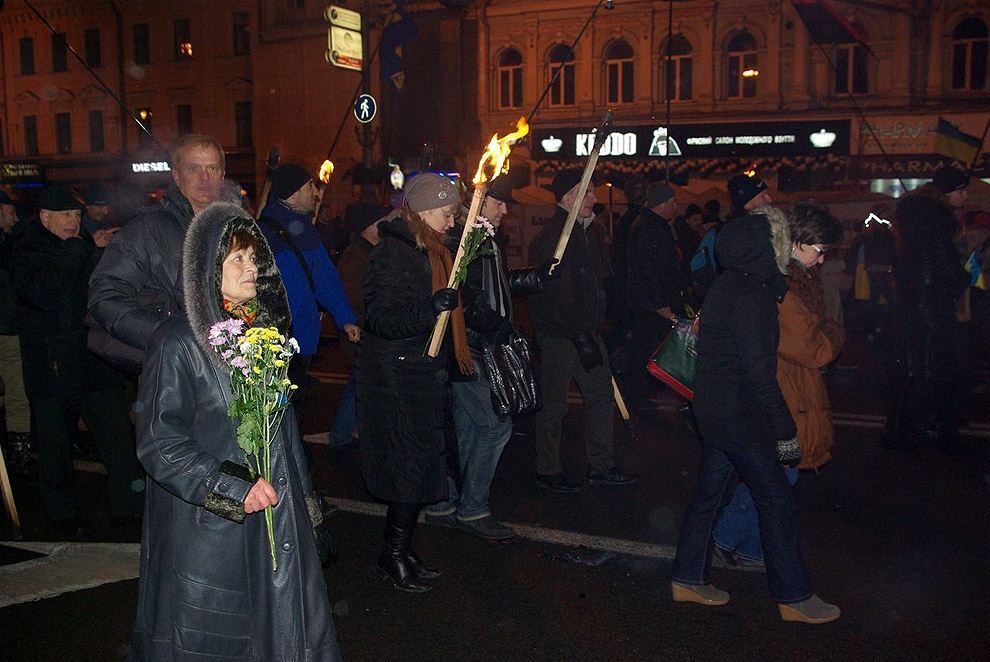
(344, 38)
(365, 108)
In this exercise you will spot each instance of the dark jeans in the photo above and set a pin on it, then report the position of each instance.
(648, 330)
(774, 499)
(344, 423)
(299, 375)
(560, 364)
(105, 414)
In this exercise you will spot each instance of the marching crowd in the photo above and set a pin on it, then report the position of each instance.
(90, 307)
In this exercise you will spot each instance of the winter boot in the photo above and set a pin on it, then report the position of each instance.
(813, 610)
(394, 562)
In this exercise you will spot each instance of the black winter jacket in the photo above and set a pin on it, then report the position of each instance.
(655, 278)
(135, 288)
(49, 278)
(574, 303)
(738, 403)
(401, 394)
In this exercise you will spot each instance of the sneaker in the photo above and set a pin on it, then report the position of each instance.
(557, 483)
(487, 527)
(439, 509)
(610, 477)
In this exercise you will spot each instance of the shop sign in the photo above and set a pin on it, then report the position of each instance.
(741, 139)
(21, 173)
(913, 166)
(911, 134)
(150, 166)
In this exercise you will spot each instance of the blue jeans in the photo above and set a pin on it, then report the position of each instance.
(774, 500)
(738, 527)
(345, 418)
(481, 438)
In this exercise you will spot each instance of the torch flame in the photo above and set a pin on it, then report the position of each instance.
(497, 153)
(325, 171)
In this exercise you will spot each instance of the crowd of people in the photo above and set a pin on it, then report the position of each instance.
(89, 307)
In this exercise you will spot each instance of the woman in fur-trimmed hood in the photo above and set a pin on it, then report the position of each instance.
(207, 587)
(743, 418)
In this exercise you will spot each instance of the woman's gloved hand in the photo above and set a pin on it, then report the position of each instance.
(444, 299)
(588, 352)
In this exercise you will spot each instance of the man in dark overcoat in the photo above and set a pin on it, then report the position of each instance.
(50, 267)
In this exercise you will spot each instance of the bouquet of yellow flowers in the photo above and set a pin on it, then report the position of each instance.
(259, 358)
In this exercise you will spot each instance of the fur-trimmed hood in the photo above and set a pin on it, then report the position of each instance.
(203, 251)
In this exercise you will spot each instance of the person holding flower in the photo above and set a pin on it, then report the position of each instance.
(229, 565)
(401, 393)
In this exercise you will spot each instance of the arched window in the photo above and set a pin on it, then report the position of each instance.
(562, 90)
(619, 72)
(678, 71)
(510, 79)
(969, 55)
(742, 70)
(851, 76)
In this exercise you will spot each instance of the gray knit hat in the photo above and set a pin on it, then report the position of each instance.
(429, 191)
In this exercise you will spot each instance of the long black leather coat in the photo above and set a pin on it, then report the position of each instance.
(401, 395)
(207, 589)
(738, 403)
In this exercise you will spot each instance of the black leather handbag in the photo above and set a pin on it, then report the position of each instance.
(510, 374)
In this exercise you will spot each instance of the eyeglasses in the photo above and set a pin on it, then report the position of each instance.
(818, 249)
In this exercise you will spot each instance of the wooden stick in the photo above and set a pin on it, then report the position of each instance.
(619, 401)
(565, 234)
(440, 327)
(8, 497)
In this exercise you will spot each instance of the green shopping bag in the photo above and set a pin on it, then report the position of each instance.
(676, 360)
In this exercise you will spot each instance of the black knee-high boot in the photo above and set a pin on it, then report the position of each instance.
(394, 562)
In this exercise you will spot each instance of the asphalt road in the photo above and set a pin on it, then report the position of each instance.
(899, 540)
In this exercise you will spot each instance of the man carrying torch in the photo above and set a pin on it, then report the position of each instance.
(568, 315)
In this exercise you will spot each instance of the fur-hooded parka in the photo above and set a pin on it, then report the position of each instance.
(203, 252)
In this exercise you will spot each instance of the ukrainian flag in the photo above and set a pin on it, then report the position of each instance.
(953, 143)
(976, 278)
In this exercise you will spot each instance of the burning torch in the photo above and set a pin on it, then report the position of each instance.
(496, 157)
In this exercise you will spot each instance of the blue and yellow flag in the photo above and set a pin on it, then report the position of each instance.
(953, 143)
(976, 278)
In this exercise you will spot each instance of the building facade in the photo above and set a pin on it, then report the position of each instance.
(738, 84)
(179, 67)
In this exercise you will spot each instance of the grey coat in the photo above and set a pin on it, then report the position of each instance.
(207, 589)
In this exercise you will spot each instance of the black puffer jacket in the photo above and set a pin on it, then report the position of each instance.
(401, 395)
(207, 589)
(655, 278)
(738, 402)
(49, 278)
(136, 287)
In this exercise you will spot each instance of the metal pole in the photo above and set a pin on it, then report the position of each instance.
(670, 37)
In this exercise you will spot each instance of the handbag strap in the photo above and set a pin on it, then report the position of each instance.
(284, 235)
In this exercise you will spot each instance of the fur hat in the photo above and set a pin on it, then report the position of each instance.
(501, 189)
(429, 191)
(658, 193)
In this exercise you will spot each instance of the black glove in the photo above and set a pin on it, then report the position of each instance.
(445, 299)
(588, 352)
(543, 271)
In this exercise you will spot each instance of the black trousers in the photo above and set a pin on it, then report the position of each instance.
(105, 413)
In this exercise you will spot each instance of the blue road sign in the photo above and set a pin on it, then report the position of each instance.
(365, 108)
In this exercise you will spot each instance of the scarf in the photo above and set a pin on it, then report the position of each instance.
(440, 265)
(246, 311)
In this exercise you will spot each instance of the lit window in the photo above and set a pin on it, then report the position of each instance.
(742, 71)
(183, 39)
(619, 73)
